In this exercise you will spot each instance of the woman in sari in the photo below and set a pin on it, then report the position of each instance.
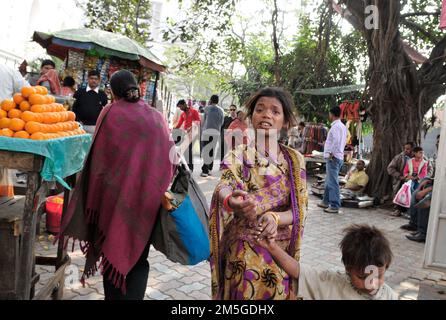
(115, 204)
(263, 185)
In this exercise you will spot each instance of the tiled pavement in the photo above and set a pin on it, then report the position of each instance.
(323, 232)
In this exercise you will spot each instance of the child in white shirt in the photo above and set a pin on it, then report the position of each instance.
(366, 256)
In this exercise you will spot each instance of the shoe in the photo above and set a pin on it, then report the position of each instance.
(417, 238)
(322, 205)
(414, 233)
(331, 210)
(408, 227)
(204, 175)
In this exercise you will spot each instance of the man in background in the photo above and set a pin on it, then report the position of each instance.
(226, 123)
(212, 123)
(90, 102)
(11, 81)
(334, 154)
(188, 118)
(46, 66)
(396, 170)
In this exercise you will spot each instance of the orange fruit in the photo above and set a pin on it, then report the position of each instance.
(25, 106)
(38, 108)
(21, 135)
(37, 99)
(71, 116)
(14, 113)
(50, 99)
(33, 127)
(42, 90)
(5, 122)
(18, 99)
(3, 114)
(7, 105)
(39, 90)
(27, 91)
(7, 132)
(28, 116)
(17, 124)
(38, 136)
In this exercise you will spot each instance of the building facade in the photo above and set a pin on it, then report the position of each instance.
(21, 18)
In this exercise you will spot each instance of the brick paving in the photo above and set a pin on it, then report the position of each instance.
(170, 281)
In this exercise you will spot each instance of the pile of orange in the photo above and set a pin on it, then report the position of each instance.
(33, 114)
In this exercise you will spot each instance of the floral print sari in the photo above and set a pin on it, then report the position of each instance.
(241, 269)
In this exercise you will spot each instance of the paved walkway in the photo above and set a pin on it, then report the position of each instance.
(323, 232)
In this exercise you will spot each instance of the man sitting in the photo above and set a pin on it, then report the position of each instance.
(419, 211)
(356, 181)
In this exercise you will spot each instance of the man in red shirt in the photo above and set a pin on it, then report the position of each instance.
(188, 118)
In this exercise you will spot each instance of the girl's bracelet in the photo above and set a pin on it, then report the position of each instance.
(226, 204)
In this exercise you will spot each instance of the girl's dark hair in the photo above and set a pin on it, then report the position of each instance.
(124, 86)
(364, 246)
(417, 149)
(68, 82)
(283, 96)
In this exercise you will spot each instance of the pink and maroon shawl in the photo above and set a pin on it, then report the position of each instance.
(53, 78)
(114, 208)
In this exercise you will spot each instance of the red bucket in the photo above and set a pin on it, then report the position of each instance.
(54, 208)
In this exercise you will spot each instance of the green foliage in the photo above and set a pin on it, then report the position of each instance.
(128, 17)
(421, 30)
(305, 67)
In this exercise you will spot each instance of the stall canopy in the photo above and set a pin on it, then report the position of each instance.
(332, 91)
(102, 42)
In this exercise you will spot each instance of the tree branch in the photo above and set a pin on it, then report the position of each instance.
(421, 13)
(417, 28)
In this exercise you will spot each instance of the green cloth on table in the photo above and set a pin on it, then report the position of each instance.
(63, 157)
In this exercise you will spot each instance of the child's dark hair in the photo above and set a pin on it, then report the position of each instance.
(68, 82)
(417, 149)
(283, 96)
(364, 246)
(124, 86)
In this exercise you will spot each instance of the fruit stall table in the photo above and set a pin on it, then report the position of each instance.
(43, 161)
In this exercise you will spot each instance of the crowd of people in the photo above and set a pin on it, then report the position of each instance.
(412, 165)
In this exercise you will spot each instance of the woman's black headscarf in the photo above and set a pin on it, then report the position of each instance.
(124, 85)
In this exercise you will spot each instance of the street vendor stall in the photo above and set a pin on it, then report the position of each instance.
(89, 49)
(47, 144)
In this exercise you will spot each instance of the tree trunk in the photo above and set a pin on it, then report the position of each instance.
(393, 89)
(276, 46)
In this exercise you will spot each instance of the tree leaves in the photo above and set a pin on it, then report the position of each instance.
(128, 17)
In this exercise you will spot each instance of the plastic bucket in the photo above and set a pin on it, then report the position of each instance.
(53, 208)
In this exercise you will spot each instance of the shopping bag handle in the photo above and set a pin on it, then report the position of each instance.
(183, 163)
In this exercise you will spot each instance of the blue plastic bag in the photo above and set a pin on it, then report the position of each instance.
(183, 234)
